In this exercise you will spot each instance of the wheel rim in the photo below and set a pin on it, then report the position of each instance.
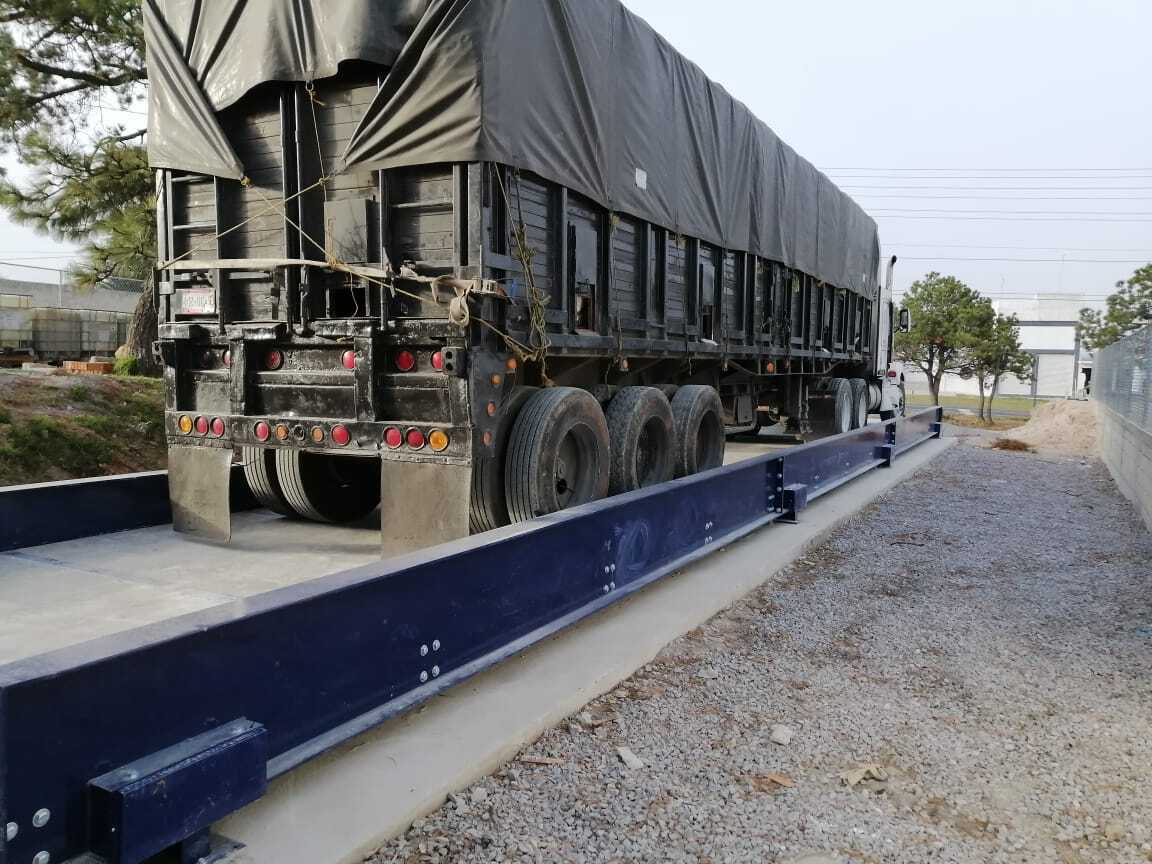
(572, 479)
(652, 453)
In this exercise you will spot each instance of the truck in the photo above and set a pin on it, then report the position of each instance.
(472, 262)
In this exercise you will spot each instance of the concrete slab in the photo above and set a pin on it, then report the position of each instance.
(341, 806)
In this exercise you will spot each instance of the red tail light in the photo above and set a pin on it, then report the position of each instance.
(341, 435)
(349, 359)
(201, 425)
(262, 431)
(273, 360)
(227, 359)
(891, 373)
(405, 361)
(393, 437)
(416, 439)
(438, 361)
(218, 428)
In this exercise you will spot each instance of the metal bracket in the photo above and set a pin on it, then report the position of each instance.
(171, 797)
(795, 499)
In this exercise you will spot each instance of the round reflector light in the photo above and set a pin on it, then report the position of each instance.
(405, 361)
(416, 439)
(273, 360)
(228, 359)
(349, 359)
(262, 431)
(770, 368)
(201, 425)
(438, 361)
(438, 440)
(318, 434)
(512, 364)
(282, 432)
(185, 424)
(218, 427)
(341, 435)
(891, 373)
(393, 437)
(492, 409)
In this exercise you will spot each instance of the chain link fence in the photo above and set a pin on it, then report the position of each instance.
(1122, 378)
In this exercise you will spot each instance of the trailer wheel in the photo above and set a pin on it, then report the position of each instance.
(641, 434)
(558, 456)
(260, 472)
(832, 407)
(698, 417)
(489, 506)
(859, 402)
(327, 488)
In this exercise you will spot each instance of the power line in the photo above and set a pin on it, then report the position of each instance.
(1008, 197)
(1051, 218)
(1030, 260)
(1004, 188)
(1012, 170)
(846, 178)
(945, 245)
(982, 211)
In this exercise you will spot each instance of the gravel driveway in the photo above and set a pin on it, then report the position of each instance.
(961, 674)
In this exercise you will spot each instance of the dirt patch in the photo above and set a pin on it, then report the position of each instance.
(63, 427)
(1012, 445)
(1066, 427)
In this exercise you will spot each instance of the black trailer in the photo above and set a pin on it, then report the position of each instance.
(516, 255)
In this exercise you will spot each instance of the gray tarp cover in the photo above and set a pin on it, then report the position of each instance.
(581, 92)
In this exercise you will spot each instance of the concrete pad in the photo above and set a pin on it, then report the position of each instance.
(342, 805)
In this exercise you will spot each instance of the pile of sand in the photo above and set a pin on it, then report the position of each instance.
(1061, 426)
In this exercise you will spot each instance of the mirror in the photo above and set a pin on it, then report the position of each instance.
(905, 321)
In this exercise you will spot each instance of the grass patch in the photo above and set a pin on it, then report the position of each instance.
(998, 424)
(1002, 403)
(57, 430)
(1012, 445)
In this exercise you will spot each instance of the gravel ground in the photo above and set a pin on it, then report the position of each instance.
(975, 650)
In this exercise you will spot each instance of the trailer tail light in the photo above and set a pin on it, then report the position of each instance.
(282, 432)
(318, 434)
(185, 424)
(341, 435)
(438, 361)
(262, 431)
(438, 440)
(349, 359)
(770, 368)
(273, 360)
(416, 439)
(891, 373)
(393, 437)
(218, 428)
(227, 358)
(201, 425)
(405, 361)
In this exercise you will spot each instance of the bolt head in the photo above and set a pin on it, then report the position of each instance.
(423, 650)
(612, 585)
(13, 830)
(40, 817)
(423, 677)
(435, 671)
(41, 858)
(613, 567)
(435, 644)
(606, 589)
(607, 569)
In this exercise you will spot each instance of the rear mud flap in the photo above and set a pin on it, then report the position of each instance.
(199, 480)
(422, 505)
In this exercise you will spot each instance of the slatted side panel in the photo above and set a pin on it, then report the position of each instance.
(531, 200)
(345, 103)
(420, 215)
(731, 288)
(676, 283)
(628, 297)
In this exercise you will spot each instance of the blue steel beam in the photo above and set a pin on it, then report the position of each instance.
(319, 662)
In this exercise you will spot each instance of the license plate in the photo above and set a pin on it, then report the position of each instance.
(198, 302)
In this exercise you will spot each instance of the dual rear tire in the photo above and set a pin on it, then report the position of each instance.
(840, 405)
(313, 486)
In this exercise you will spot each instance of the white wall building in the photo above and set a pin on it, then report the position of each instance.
(1048, 332)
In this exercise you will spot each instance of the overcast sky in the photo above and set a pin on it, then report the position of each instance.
(993, 99)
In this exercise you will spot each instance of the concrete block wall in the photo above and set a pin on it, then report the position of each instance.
(1127, 451)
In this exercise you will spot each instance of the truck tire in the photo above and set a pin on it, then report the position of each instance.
(260, 472)
(860, 401)
(558, 456)
(641, 435)
(489, 507)
(327, 488)
(698, 417)
(831, 407)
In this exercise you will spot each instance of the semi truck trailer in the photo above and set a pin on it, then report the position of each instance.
(476, 261)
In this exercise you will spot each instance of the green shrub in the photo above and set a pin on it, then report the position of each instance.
(129, 366)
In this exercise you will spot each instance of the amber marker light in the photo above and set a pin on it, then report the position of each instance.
(185, 424)
(282, 432)
(438, 440)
